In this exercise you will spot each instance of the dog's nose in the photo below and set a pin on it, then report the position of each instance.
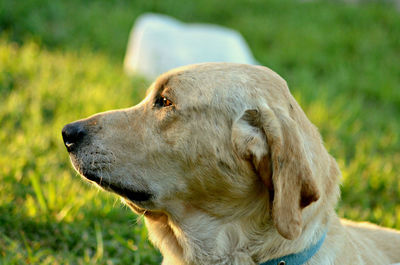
(73, 134)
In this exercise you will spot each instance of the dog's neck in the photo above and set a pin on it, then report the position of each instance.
(243, 242)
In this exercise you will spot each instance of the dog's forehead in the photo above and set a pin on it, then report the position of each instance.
(207, 82)
(229, 86)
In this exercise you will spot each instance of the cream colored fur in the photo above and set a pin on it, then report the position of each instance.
(237, 173)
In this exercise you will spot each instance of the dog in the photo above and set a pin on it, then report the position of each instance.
(226, 169)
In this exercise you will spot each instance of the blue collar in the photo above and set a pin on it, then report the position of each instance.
(298, 258)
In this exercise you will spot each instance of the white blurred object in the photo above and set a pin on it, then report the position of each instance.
(158, 43)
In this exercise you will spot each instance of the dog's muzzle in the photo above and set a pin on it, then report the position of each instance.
(77, 141)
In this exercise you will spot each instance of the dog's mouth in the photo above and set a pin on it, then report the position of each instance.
(94, 171)
(132, 195)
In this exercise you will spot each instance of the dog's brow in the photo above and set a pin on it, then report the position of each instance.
(161, 84)
(163, 88)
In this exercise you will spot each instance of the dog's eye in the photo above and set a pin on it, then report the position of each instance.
(162, 102)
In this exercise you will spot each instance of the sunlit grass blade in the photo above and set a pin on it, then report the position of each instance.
(38, 191)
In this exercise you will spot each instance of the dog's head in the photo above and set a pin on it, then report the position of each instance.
(222, 139)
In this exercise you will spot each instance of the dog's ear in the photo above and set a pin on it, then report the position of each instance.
(271, 140)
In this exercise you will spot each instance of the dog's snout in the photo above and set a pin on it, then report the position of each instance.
(73, 134)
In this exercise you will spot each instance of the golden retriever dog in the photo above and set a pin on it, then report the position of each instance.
(226, 169)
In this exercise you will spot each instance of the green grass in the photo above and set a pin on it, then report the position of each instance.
(62, 60)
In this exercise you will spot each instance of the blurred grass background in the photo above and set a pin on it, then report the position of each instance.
(62, 60)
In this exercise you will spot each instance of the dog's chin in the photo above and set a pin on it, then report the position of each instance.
(133, 195)
(148, 213)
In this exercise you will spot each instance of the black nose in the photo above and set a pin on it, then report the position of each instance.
(73, 134)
